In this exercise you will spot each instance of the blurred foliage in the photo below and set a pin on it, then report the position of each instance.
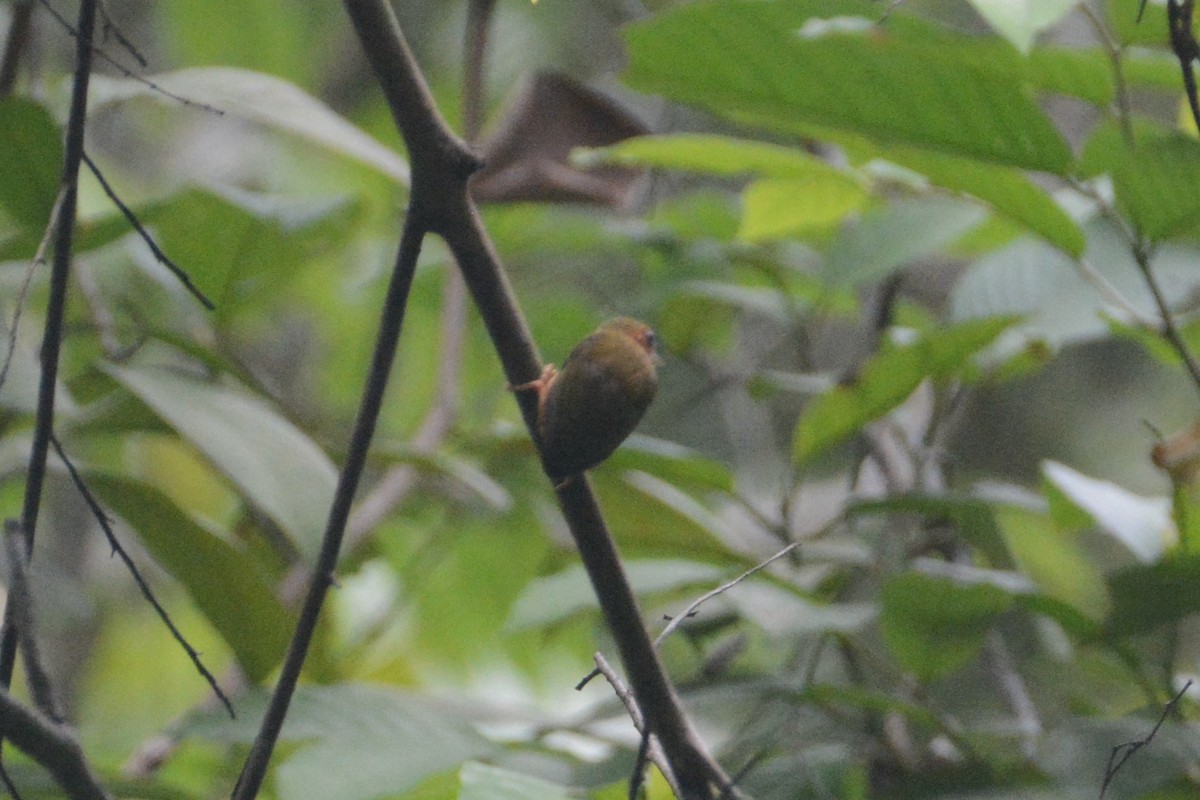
(892, 253)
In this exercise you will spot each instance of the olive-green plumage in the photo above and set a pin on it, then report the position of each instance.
(588, 408)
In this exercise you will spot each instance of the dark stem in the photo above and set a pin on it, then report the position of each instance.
(55, 313)
(356, 456)
(53, 746)
(14, 44)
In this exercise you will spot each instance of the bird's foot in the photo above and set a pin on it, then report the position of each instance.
(540, 385)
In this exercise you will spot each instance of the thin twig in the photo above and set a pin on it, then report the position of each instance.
(39, 260)
(1121, 753)
(1170, 330)
(1113, 49)
(162, 257)
(111, 27)
(19, 594)
(143, 586)
(704, 598)
(56, 306)
(127, 72)
(654, 751)
(690, 611)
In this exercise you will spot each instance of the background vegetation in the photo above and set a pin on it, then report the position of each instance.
(925, 274)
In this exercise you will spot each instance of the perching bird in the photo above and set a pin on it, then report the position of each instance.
(588, 408)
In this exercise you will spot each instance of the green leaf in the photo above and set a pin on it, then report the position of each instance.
(712, 155)
(1138, 23)
(259, 98)
(223, 582)
(361, 741)
(933, 626)
(1020, 21)
(1157, 185)
(886, 379)
(1148, 596)
(32, 163)
(558, 597)
(781, 612)
(278, 469)
(780, 208)
(238, 246)
(1005, 189)
(1142, 524)
(1054, 560)
(801, 63)
(485, 782)
(884, 239)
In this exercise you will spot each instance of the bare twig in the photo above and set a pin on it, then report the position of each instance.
(1121, 753)
(126, 71)
(19, 594)
(704, 598)
(1141, 256)
(111, 28)
(39, 259)
(654, 752)
(51, 745)
(162, 257)
(115, 544)
(1113, 49)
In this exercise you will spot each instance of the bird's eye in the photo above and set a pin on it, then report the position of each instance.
(650, 340)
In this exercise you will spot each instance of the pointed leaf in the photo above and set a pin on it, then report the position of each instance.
(227, 588)
(797, 64)
(277, 468)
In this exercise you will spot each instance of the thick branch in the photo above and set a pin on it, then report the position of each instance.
(441, 165)
(52, 746)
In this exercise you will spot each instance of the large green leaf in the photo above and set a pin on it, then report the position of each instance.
(226, 586)
(795, 193)
(555, 598)
(1005, 189)
(276, 467)
(1054, 559)
(238, 246)
(881, 241)
(1148, 596)
(256, 97)
(485, 782)
(1157, 184)
(795, 64)
(360, 741)
(32, 162)
(886, 379)
(934, 626)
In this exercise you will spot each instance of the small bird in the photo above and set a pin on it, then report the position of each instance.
(588, 408)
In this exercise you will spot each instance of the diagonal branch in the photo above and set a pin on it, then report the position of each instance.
(53, 746)
(55, 312)
(255, 768)
(441, 166)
